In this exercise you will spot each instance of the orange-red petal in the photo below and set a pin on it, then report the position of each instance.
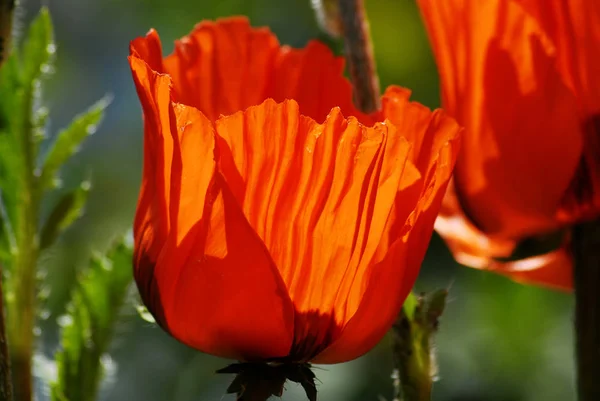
(574, 28)
(263, 234)
(408, 237)
(200, 267)
(339, 206)
(471, 247)
(225, 66)
(523, 139)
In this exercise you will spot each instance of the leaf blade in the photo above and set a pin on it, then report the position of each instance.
(68, 209)
(68, 141)
(39, 48)
(92, 314)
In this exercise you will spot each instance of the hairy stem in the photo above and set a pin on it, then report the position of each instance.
(412, 362)
(359, 53)
(586, 254)
(5, 375)
(22, 307)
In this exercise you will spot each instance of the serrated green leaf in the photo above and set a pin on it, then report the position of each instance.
(68, 141)
(39, 48)
(68, 209)
(89, 323)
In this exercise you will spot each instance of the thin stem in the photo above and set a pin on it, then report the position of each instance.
(5, 376)
(21, 320)
(412, 361)
(22, 308)
(6, 12)
(21, 317)
(359, 53)
(586, 254)
(7, 8)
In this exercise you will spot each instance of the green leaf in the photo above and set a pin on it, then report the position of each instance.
(11, 160)
(68, 141)
(39, 47)
(22, 122)
(68, 209)
(89, 323)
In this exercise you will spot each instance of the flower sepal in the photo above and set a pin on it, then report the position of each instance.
(257, 381)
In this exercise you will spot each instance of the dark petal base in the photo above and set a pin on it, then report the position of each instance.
(257, 381)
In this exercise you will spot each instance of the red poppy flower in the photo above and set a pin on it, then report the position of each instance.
(521, 77)
(269, 225)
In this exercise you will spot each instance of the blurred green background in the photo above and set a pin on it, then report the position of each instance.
(499, 341)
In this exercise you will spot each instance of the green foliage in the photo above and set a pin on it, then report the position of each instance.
(21, 122)
(67, 210)
(38, 48)
(92, 314)
(69, 140)
(24, 185)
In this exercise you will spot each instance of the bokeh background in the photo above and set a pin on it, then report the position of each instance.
(499, 341)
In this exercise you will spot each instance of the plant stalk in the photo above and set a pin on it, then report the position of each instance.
(5, 375)
(7, 8)
(359, 54)
(412, 362)
(586, 255)
(415, 365)
(22, 307)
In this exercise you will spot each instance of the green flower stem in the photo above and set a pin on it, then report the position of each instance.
(412, 380)
(586, 254)
(6, 393)
(415, 367)
(22, 303)
(5, 376)
(359, 54)
(6, 12)
(21, 319)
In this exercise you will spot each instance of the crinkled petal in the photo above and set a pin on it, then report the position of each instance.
(553, 270)
(473, 248)
(574, 28)
(225, 66)
(387, 287)
(200, 268)
(345, 184)
(319, 196)
(523, 139)
(149, 49)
